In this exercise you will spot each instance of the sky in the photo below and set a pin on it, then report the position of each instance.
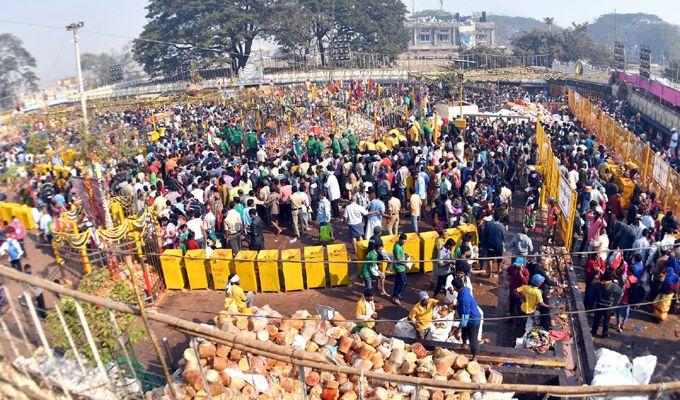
(53, 48)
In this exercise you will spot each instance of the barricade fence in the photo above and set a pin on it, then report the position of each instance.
(556, 186)
(292, 269)
(77, 373)
(653, 172)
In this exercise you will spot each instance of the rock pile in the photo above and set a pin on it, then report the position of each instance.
(231, 374)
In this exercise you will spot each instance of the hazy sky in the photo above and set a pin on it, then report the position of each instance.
(53, 48)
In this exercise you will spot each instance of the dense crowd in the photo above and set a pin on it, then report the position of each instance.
(663, 143)
(221, 173)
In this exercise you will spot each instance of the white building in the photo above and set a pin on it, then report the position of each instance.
(436, 38)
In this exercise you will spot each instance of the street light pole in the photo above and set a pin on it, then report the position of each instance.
(96, 166)
(74, 28)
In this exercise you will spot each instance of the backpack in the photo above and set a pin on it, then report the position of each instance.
(636, 293)
(383, 189)
(14, 250)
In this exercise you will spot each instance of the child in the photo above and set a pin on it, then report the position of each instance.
(325, 233)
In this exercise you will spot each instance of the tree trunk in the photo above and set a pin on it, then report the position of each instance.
(322, 50)
(242, 54)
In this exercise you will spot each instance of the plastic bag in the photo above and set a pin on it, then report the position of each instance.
(404, 329)
(643, 369)
(615, 369)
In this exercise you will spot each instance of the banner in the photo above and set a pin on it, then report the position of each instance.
(564, 198)
(660, 171)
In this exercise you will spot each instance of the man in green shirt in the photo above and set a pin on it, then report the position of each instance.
(251, 143)
(311, 147)
(353, 143)
(318, 147)
(235, 139)
(224, 146)
(399, 267)
(370, 262)
(226, 132)
(427, 132)
(335, 146)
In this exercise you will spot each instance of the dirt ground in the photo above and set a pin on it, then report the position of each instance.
(642, 335)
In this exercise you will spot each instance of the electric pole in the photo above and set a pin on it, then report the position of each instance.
(96, 167)
(74, 28)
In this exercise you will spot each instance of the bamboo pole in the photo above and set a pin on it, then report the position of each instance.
(141, 311)
(314, 360)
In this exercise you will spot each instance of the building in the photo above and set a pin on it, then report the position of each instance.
(443, 36)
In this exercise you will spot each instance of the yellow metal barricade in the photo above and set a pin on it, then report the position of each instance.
(454, 233)
(221, 265)
(171, 265)
(427, 249)
(268, 270)
(471, 229)
(338, 268)
(361, 249)
(292, 270)
(26, 217)
(315, 270)
(412, 248)
(627, 186)
(244, 266)
(6, 212)
(195, 264)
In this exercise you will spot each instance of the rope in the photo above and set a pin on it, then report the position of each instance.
(509, 317)
(284, 354)
(433, 260)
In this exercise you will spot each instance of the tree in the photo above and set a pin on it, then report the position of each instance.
(636, 29)
(370, 27)
(293, 32)
(16, 69)
(539, 42)
(672, 71)
(99, 283)
(549, 21)
(570, 44)
(207, 32)
(484, 57)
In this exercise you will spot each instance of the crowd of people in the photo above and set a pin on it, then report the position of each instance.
(220, 175)
(663, 143)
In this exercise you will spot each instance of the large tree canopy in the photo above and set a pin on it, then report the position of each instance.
(571, 44)
(16, 69)
(375, 27)
(205, 32)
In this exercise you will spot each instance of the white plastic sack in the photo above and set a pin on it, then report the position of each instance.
(259, 382)
(300, 342)
(643, 368)
(614, 369)
(404, 329)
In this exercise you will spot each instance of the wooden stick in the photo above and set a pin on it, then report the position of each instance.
(303, 358)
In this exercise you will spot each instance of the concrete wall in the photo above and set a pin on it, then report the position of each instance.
(654, 110)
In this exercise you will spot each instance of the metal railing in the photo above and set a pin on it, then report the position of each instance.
(120, 380)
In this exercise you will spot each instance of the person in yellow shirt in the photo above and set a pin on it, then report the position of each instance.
(414, 134)
(421, 314)
(532, 297)
(367, 310)
(237, 301)
(381, 147)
